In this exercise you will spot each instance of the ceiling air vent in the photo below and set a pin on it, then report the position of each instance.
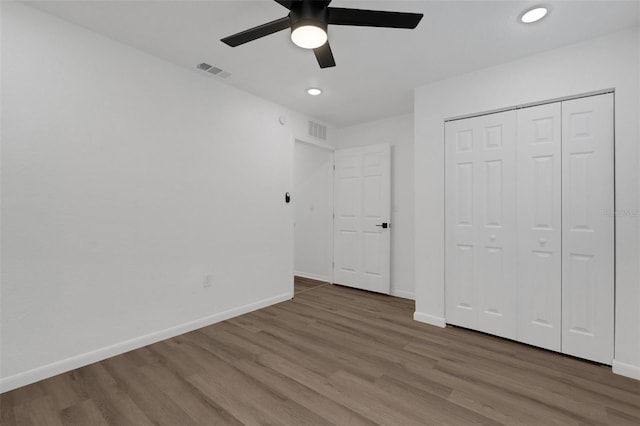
(213, 70)
(317, 130)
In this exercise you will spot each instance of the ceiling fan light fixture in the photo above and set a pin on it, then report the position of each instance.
(308, 36)
(534, 15)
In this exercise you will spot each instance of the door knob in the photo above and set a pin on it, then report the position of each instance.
(492, 237)
(542, 240)
(383, 225)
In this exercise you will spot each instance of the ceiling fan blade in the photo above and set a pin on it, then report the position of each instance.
(373, 18)
(289, 3)
(324, 56)
(257, 32)
(286, 3)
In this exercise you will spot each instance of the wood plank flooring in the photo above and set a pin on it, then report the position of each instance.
(306, 284)
(332, 355)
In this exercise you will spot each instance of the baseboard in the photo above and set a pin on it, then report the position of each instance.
(62, 366)
(403, 293)
(627, 370)
(324, 278)
(430, 319)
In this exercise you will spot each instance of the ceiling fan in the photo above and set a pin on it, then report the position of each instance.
(308, 20)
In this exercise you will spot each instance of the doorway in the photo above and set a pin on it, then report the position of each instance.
(313, 211)
(341, 216)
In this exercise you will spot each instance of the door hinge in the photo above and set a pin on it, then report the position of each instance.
(334, 167)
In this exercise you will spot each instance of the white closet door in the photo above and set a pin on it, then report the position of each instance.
(588, 228)
(461, 224)
(480, 223)
(539, 226)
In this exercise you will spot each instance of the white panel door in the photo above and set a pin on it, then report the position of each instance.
(362, 205)
(539, 226)
(588, 228)
(480, 223)
(460, 223)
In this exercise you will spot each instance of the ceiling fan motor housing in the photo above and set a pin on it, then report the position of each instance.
(308, 13)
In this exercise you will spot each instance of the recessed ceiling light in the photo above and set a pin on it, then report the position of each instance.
(314, 91)
(534, 15)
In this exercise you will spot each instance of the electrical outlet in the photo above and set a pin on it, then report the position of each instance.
(207, 281)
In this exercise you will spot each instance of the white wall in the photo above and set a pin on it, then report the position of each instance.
(609, 62)
(398, 132)
(125, 182)
(313, 211)
(299, 124)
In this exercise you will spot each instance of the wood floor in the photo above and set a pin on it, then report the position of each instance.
(332, 355)
(305, 284)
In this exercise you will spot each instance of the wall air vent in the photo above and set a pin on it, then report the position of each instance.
(318, 130)
(219, 72)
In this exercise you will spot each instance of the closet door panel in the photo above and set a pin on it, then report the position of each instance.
(461, 224)
(480, 223)
(588, 228)
(496, 244)
(539, 226)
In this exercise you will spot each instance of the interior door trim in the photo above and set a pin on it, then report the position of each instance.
(531, 104)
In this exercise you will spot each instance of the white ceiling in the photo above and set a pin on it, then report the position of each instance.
(377, 68)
